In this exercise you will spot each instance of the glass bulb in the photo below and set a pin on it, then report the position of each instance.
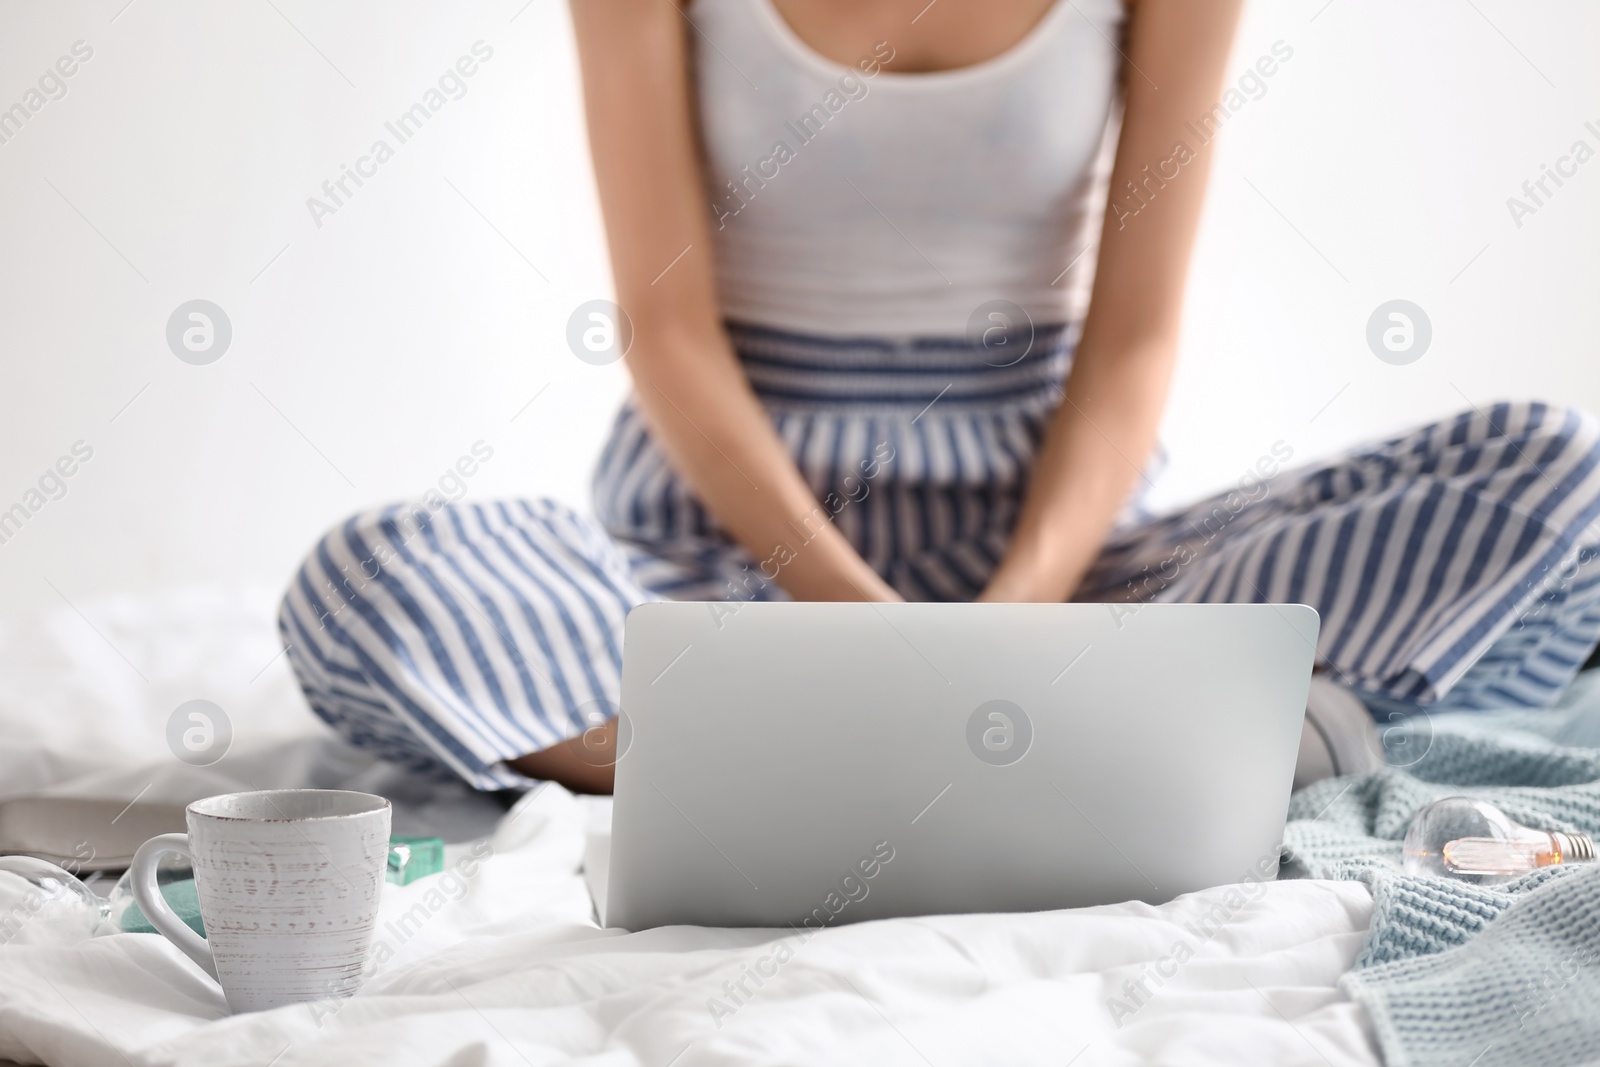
(1474, 841)
(42, 904)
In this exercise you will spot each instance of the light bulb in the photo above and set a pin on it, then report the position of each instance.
(42, 904)
(1474, 841)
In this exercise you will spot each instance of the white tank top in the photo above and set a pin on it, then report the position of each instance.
(856, 200)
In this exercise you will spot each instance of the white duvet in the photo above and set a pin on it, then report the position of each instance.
(501, 961)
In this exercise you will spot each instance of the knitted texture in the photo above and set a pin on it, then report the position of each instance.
(1453, 973)
(1526, 990)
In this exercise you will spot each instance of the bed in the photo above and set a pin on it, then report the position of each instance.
(509, 966)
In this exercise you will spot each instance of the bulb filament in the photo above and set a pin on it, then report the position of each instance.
(1488, 855)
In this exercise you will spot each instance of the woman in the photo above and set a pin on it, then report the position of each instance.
(844, 231)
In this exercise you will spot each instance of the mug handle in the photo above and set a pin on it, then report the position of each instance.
(147, 894)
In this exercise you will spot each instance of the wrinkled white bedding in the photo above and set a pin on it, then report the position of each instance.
(502, 963)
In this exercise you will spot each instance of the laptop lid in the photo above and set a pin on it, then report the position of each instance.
(810, 763)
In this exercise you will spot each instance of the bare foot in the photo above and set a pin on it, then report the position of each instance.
(585, 764)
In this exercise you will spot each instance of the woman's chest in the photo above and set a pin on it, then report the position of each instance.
(940, 35)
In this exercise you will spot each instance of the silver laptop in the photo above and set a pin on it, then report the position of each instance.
(813, 764)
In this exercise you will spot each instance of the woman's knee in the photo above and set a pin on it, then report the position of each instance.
(360, 556)
(333, 572)
(1551, 431)
(1581, 434)
(1558, 446)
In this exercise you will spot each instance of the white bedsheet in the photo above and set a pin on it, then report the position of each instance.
(509, 967)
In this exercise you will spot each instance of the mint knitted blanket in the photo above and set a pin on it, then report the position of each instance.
(1457, 974)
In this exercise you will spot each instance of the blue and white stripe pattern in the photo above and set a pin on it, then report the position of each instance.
(1453, 566)
(919, 450)
(452, 640)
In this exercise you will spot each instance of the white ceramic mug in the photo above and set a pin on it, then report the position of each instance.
(289, 882)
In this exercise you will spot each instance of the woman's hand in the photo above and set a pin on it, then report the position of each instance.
(1105, 428)
(690, 387)
(1026, 576)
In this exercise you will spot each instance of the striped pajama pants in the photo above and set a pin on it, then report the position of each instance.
(1453, 566)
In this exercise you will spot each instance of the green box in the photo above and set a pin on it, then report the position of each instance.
(411, 858)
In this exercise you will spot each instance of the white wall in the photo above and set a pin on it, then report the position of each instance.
(1389, 143)
(423, 315)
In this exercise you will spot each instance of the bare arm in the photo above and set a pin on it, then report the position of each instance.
(1105, 428)
(691, 389)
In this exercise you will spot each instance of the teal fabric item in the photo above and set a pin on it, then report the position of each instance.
(1453, 973)
(1524, 990)
(184, 901)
